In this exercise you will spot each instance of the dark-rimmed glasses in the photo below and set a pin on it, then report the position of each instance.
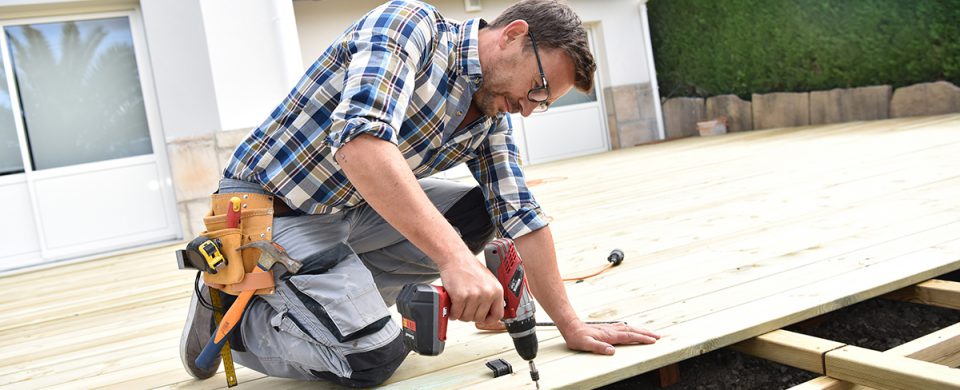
(541, 94)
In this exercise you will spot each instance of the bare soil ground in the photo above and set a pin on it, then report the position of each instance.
(877, 324)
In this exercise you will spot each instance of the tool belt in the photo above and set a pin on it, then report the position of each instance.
(256, 224)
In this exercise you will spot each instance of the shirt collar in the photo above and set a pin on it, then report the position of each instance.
(468, 53)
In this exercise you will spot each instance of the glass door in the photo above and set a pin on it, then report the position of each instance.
(80, 151)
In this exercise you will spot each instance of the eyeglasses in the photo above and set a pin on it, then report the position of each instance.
(540, 94)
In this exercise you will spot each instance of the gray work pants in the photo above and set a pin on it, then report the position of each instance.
(330, 320)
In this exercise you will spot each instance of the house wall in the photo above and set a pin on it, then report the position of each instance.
(220, 64)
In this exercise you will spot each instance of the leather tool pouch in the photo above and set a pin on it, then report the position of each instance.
(256, 224)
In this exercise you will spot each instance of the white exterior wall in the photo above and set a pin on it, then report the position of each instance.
(181, 67)
(622, 57)
(220, 64)
(255, 57)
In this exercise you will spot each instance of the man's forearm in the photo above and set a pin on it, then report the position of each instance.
(540, 262)
(379, 172)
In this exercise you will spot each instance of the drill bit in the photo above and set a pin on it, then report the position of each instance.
(534, 374)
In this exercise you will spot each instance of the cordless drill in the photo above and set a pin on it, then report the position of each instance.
(425, 308)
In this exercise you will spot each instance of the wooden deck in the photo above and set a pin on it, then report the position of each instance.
(725, 237)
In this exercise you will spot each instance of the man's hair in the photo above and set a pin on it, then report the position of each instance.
(554, 25)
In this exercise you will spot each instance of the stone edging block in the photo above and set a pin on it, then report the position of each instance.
(781, 109)
(851, 104)
(937, 98)
(680, 116)
(739, 112)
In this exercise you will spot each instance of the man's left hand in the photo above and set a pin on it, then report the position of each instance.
(600, 338)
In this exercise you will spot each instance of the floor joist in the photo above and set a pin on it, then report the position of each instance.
(941, 293)
(888, 371)
(790, 348)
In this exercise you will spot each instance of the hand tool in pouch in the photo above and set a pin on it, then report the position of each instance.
(233, 221)
(270, 254)
(228, 368)
(202, 254)
(425, 308)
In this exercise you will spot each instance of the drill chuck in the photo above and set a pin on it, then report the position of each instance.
(524, 337)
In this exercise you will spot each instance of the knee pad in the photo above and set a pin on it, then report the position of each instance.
(371, 368)
(469, 215)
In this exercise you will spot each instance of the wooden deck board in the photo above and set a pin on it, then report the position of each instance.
(726, 238)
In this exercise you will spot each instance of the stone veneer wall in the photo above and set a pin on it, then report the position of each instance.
(631, 115)
(196, 164)
(774, 110)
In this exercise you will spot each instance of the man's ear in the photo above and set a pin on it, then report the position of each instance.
(513, 32)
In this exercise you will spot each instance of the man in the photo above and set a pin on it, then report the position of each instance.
(401, 95)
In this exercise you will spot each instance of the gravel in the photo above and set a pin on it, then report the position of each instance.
(877, 324)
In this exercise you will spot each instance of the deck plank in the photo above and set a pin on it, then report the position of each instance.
(726, 238)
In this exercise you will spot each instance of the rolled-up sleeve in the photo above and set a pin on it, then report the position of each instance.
(497, 168)
(383, 52)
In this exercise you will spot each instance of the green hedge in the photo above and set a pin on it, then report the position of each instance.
(714, 47)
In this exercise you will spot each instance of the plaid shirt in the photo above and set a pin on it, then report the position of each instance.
(404, 74)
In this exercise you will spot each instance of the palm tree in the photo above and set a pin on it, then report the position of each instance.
(10, 160)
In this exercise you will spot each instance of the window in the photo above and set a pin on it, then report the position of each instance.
(79, 91)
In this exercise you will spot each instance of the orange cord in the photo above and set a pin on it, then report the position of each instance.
(602, 270)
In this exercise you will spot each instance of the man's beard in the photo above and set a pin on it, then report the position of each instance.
(486, 101)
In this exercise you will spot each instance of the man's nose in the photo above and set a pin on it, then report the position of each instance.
(527, 107)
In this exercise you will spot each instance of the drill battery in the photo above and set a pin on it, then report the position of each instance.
(424, 309)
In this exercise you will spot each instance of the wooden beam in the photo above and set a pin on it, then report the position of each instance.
(668, 376)
(886, 371)
(940, 347)
(793, 349)
(828, 383)
(942, 293)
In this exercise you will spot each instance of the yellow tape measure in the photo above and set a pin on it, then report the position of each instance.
(210, 249)
(225, 352)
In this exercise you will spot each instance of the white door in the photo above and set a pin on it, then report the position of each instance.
(574, 125)
(82, 162)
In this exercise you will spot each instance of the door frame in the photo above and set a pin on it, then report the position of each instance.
(154, 127)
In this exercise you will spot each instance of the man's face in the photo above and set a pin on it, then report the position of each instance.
(514, 72)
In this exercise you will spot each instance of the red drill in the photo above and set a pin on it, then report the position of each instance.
(425, 308)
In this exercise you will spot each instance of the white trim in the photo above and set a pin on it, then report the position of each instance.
(66, 17)
(103, 165)
(651, 69)
(12, 178)
(592, 31)
(151, 105)
(34, 9)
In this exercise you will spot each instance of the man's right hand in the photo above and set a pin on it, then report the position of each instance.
(475, 294)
